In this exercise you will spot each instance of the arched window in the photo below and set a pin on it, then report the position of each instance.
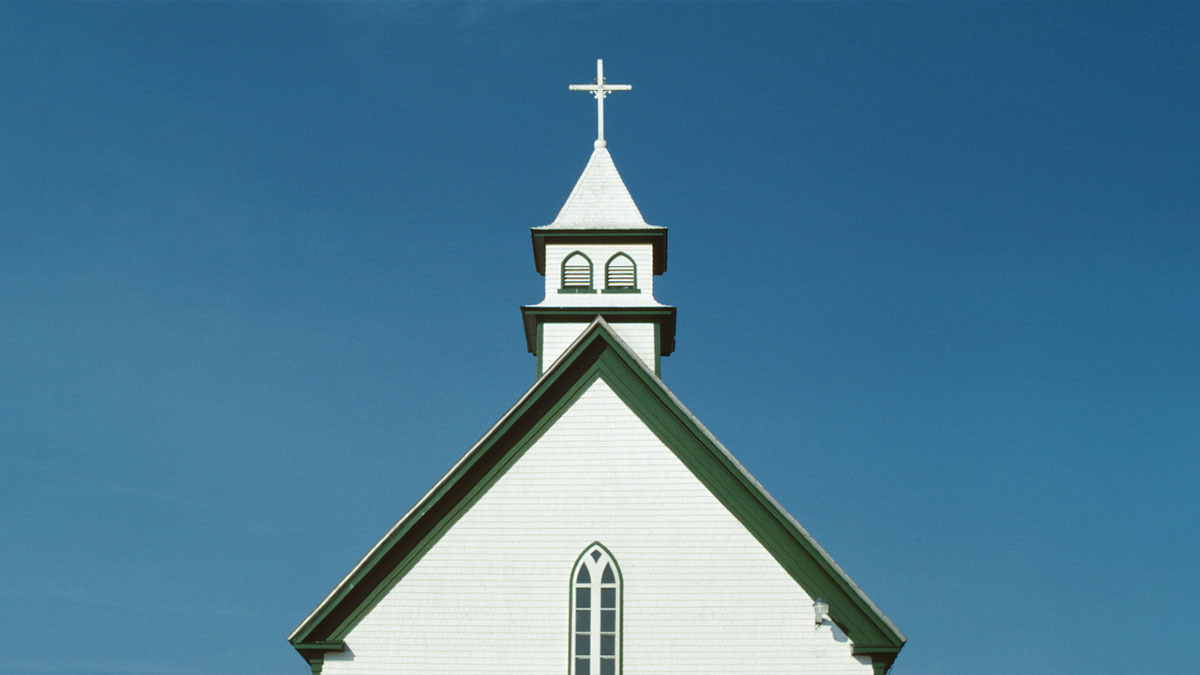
(576, 273)
(620, 274)
(596, 613)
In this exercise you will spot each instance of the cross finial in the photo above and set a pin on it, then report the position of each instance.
(600, 89)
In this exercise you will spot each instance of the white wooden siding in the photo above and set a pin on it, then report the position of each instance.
(641, 254)
(556, 337)
(701, 595)
(639, 337)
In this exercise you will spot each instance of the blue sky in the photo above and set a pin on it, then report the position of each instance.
(935, 265)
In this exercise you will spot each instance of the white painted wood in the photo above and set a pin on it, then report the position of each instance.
(599, 200)
(556, 337)
(600, 89)
(642, 256)
(640, 338)
(700, 595)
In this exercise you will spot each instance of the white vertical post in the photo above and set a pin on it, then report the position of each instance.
(600, 90)
(600, 95)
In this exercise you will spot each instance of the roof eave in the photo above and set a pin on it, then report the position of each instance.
(663, 315)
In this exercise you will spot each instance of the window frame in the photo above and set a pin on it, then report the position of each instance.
(595, 585)
(608, 288)
(562, 274)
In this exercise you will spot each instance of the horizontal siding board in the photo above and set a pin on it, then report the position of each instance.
(662, 417)
(599, 253)
(700, 593)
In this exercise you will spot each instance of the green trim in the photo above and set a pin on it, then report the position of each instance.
(620, 607)
(795, 551)
(412, 537)
(662, 315)
(314, 652)
(620, 289)
(656, 236)
(540, 340)
(321, 646)
(598, 354)
(882, 658)
(657, 352)
(562, 274)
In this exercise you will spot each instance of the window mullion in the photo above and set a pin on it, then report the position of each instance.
(595, 617)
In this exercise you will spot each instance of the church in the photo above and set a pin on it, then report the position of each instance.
(597, 528)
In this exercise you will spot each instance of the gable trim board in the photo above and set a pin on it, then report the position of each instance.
(598, 353)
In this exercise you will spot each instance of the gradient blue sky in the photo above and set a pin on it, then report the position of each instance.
(935, 264)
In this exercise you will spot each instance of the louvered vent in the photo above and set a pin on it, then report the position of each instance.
(577, 272)
(620, 273)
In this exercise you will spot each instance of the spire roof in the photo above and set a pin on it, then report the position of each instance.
(600, 200)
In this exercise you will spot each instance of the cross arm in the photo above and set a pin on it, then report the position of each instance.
(594, 87)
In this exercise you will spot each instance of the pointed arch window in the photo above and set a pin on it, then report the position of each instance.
(595, 613)
(620, 274)
(576, 274)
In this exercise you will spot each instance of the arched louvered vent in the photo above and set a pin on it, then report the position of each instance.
(620, 273)
(576, 272)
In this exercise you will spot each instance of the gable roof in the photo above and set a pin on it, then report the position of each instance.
(599, 200)
(598, 353)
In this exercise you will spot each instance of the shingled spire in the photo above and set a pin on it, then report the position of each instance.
(599, 200)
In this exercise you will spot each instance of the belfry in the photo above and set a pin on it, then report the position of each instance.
(600, 257)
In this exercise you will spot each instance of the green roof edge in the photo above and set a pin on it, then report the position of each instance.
(664, 316)
(600, 353)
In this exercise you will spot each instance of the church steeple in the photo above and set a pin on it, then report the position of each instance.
(600, 257)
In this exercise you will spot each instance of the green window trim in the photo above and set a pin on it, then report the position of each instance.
(574, 278)
(601, 556)
(618, 277)
(655, 236)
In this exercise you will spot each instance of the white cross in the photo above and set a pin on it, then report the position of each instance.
(600, 89)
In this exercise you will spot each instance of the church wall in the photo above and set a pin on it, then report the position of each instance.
(556, 337)
(642, 255)
(700, 594)
(640, 338)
